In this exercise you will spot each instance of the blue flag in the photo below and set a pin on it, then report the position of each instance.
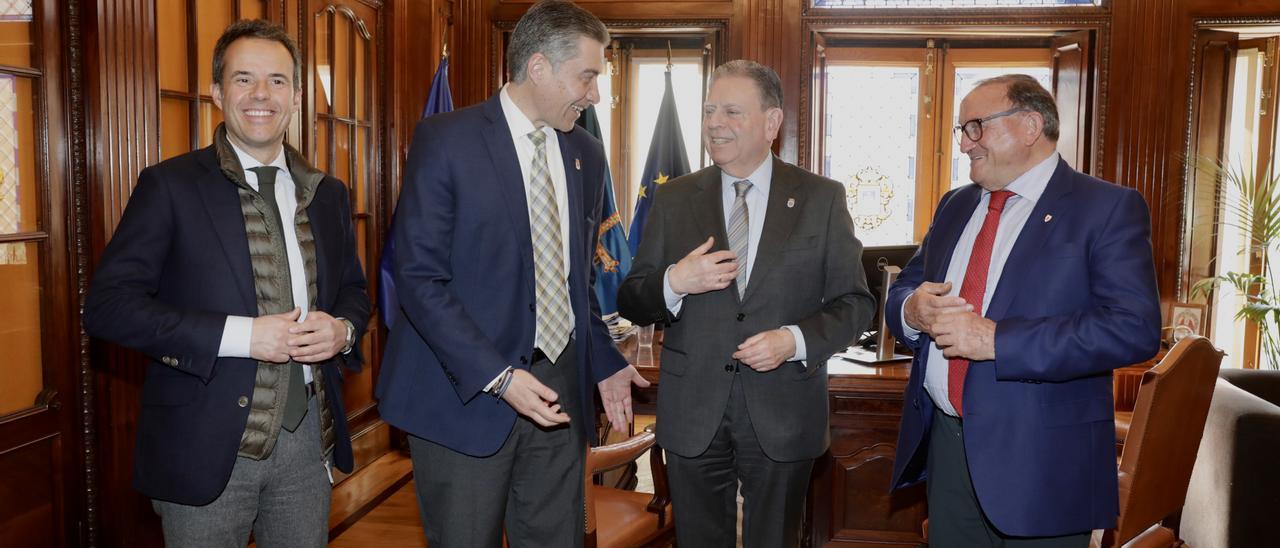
(438, 100)
(667, 160)
(613, 257)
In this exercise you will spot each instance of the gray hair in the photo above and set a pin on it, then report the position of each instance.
(552, 28)
(262, 30)
(766, 80)
(1023, 91)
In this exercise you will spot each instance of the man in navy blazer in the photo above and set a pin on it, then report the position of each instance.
(491, 364)
(1030, 287)
(234, 268)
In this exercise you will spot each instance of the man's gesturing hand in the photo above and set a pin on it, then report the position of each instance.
(930, 301)
(531, 398)
(700, 272)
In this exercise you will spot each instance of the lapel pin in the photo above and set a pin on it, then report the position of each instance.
(577, 164)
(1048, 218)
(791, 202)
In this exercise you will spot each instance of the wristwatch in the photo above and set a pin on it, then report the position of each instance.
(351, 335)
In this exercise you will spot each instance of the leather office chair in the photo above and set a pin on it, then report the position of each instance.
(623, 518)
(1161, 445)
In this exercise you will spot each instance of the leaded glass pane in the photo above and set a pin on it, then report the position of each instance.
(872, 114)
(951, 3)
(966, 79)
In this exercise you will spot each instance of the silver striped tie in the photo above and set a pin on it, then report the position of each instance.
(553, 327)
(740, 233)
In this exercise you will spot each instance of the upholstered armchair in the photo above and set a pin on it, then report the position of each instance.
(1235, 487)
(623, 518)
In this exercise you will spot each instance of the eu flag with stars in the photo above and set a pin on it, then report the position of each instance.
(613, 257)
(667, 160)
(438, 100)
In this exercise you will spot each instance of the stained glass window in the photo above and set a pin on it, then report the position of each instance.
(951, 3)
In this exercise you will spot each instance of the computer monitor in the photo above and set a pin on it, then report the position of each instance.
(873, 261)
(882, 264)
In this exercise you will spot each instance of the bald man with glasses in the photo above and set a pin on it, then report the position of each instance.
(1032, 285)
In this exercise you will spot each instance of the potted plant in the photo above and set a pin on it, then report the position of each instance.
(1250, 204)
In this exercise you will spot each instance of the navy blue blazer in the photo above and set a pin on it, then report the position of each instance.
(464, 275)
(176, 267)
(1076, 299)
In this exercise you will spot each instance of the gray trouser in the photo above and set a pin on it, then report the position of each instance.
(704, 488)
(955, 516)
(283, 499)
(532, 485)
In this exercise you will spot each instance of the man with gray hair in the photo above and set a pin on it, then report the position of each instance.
(491, 365)
(1032, 285)
(753, 268)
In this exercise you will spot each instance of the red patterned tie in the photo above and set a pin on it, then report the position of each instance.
(974, 287)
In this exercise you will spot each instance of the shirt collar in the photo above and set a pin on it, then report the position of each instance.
(247, 161)
(517, 122)
(1031, 185)
(760, 178)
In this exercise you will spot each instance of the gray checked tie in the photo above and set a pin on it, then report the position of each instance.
(553, 326)
(740, 233)
(295, 403)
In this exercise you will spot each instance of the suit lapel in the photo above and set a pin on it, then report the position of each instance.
(1031, 241)
(780, 217)
(502, 153)
(573, 186)
(949, 224)
(222, 202)
(708, 210)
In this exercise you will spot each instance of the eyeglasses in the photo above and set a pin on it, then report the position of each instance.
(973, 128)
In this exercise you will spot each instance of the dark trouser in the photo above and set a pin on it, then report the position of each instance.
(532, 485)
(704, 488)
(955, 516)
(283, 498)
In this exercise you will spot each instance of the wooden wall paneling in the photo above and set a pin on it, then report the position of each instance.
(1145, 113)
(123, 138)
(470, 54)
(767, 31)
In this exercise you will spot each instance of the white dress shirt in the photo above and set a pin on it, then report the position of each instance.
(1027, 189)
(757, 200)
(520, 127)
(237, 332)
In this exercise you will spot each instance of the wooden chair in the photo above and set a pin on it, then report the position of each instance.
(623, 518)
(1161, 443)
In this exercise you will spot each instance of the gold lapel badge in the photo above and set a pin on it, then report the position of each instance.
(577, 164)
(1048, 218)
(791, 202)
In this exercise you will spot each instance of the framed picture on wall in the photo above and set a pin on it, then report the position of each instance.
(1185, 319)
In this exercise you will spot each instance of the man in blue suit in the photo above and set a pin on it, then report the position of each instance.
(492, 364)
(1031, 286)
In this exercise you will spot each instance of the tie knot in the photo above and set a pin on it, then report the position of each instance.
(538, 137)
(266, 174)
(741, 187)
(998, 198)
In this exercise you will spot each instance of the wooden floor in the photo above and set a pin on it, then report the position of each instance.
(394, 523)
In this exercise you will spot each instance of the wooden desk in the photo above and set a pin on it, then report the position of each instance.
(849, 499)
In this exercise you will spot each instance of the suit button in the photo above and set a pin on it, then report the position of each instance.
(524, 360)
(243, 401)
(530, 307)
(169, 361)
(741, 316)
(728, 368)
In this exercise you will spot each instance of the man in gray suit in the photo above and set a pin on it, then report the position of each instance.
(752, 267)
